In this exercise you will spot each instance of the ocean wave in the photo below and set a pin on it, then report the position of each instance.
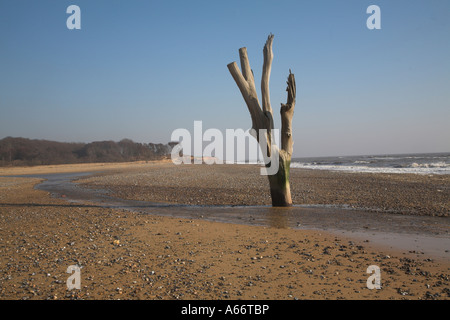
(430, 168)
(440, 164)
(386, 158)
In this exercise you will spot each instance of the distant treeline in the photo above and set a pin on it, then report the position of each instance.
(24, 152)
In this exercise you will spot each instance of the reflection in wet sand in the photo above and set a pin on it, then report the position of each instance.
(277, 217)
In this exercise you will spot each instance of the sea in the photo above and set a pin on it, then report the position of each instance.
(417, 163)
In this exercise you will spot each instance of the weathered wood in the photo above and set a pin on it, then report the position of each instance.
(262, 118)
(287, 113)
(265, 93)
(280, 189)
(267, 67)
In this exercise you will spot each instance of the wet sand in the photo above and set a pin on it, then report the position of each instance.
(129, 255)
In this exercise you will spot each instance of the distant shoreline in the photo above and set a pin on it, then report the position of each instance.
(74, 167)
(23, 151)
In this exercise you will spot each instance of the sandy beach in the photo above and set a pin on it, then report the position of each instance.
(129, 255)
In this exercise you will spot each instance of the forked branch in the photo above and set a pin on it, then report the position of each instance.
(287, 113)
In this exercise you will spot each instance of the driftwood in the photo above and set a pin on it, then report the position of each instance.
(262, 119)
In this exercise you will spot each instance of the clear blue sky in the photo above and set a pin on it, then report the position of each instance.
(141, 69)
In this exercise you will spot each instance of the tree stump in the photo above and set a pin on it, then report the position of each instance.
(262, 120)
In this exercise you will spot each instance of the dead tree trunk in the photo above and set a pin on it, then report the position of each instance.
(262, 119)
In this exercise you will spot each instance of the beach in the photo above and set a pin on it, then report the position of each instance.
(243, 185)
(131, 255)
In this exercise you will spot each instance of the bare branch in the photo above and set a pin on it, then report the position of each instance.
(248, 92)
(238, 78)
(287, 113)
(267, 66)
(245, 66)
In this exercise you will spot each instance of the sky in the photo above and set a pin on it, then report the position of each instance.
(141, 69)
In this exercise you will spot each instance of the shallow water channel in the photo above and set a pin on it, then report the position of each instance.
(429, 235)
